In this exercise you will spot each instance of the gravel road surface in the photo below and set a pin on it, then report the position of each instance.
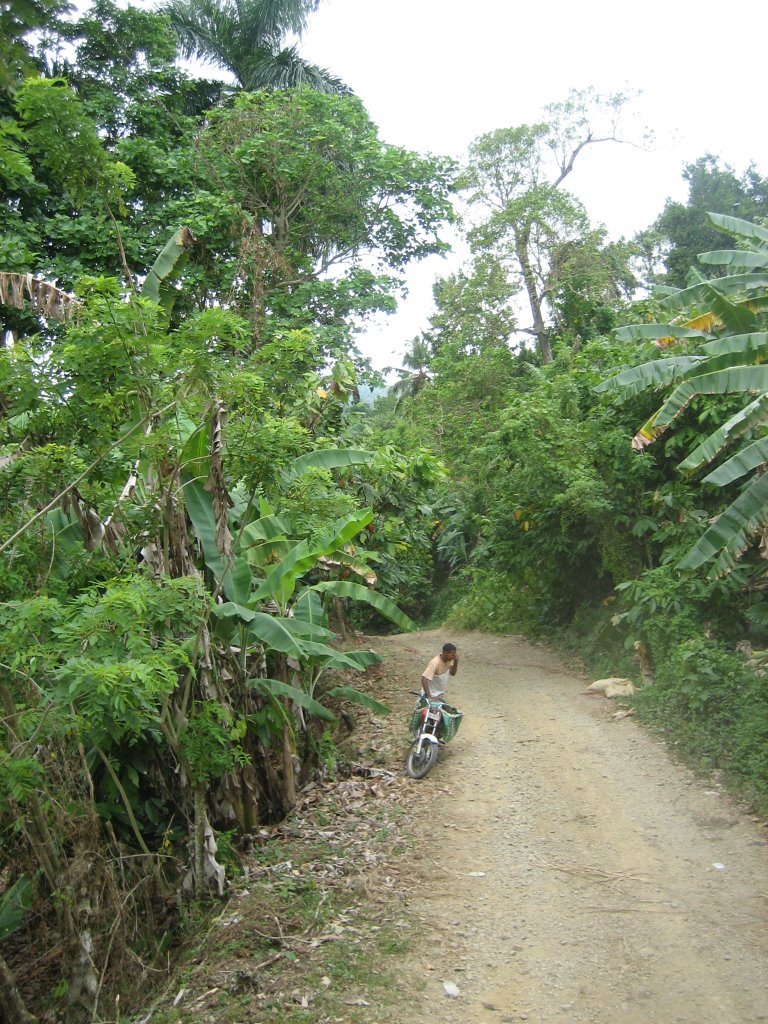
(566, 868)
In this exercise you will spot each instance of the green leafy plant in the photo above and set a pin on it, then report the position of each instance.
(724, 316)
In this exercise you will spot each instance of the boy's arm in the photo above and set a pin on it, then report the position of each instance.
(426, 678)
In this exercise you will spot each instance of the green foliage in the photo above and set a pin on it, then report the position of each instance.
(601, 643)
(666, 608)
(493, 602)
(313, 499)
(729, 309)
(210, 743)
(63, 142)
(109, 658)
(322, 190)
(714, 709)
(18, 23)
(19, 777)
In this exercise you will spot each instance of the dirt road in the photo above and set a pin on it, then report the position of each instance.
(574, 872)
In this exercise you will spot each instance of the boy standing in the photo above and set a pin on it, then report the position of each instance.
(434, 678)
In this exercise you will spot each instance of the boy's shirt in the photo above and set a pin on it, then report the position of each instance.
(438, 673)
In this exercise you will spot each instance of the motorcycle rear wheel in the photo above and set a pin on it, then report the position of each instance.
(420, 763)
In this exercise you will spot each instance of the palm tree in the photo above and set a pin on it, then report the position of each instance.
(246, 37)
(416, 377)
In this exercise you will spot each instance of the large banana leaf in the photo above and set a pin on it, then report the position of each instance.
(326, 657)
(364, 659)
(326, 458)
(233, 610)
(342, 588)
(746, 419)
(729, 535)
(357, 697)
(725, 359)
(170, 259)
(309, 608)
(353, 563)
(344, 530)
(737, 259)
(275, 688)
(733, 284)
(268, 553)
(741, 229)
(750, 457)
(67, 532)
(734, 380)
(748, 345)
(295, 637)
(651, 332)
(281, 582)
(14, 903)
(736, 316)
(649, 375)
(277, 633)
(267, 528)
(310, 630)
(234, 574)
(358, 660)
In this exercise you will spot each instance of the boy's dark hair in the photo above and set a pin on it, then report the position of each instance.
(447, 648)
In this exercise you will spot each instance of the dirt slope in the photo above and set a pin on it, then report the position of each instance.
(571, 871)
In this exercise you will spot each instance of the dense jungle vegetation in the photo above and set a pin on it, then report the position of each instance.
(197, 507)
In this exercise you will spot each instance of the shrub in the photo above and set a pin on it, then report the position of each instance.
(716, 708)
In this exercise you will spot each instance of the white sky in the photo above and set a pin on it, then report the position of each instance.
(435, 74)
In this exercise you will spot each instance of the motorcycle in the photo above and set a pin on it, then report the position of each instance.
(433, 724)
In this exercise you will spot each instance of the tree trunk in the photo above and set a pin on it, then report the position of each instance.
(534, 299)
(289, 777)
(12, 1008)
(341, 622)
(199, 852)
(289, 780)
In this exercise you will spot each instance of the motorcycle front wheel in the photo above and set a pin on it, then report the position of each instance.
(420, 762)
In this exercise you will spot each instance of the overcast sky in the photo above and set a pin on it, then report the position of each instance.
(435, 74)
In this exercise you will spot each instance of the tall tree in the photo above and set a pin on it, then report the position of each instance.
(313, 194)
(529, 221)
(246, 37)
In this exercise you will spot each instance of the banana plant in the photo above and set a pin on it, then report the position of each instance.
(174, 253)
(261, 572)
(724, 318)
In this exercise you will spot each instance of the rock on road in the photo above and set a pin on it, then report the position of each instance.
(573, 871)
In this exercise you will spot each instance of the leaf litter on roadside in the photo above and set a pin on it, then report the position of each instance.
(320, 892)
